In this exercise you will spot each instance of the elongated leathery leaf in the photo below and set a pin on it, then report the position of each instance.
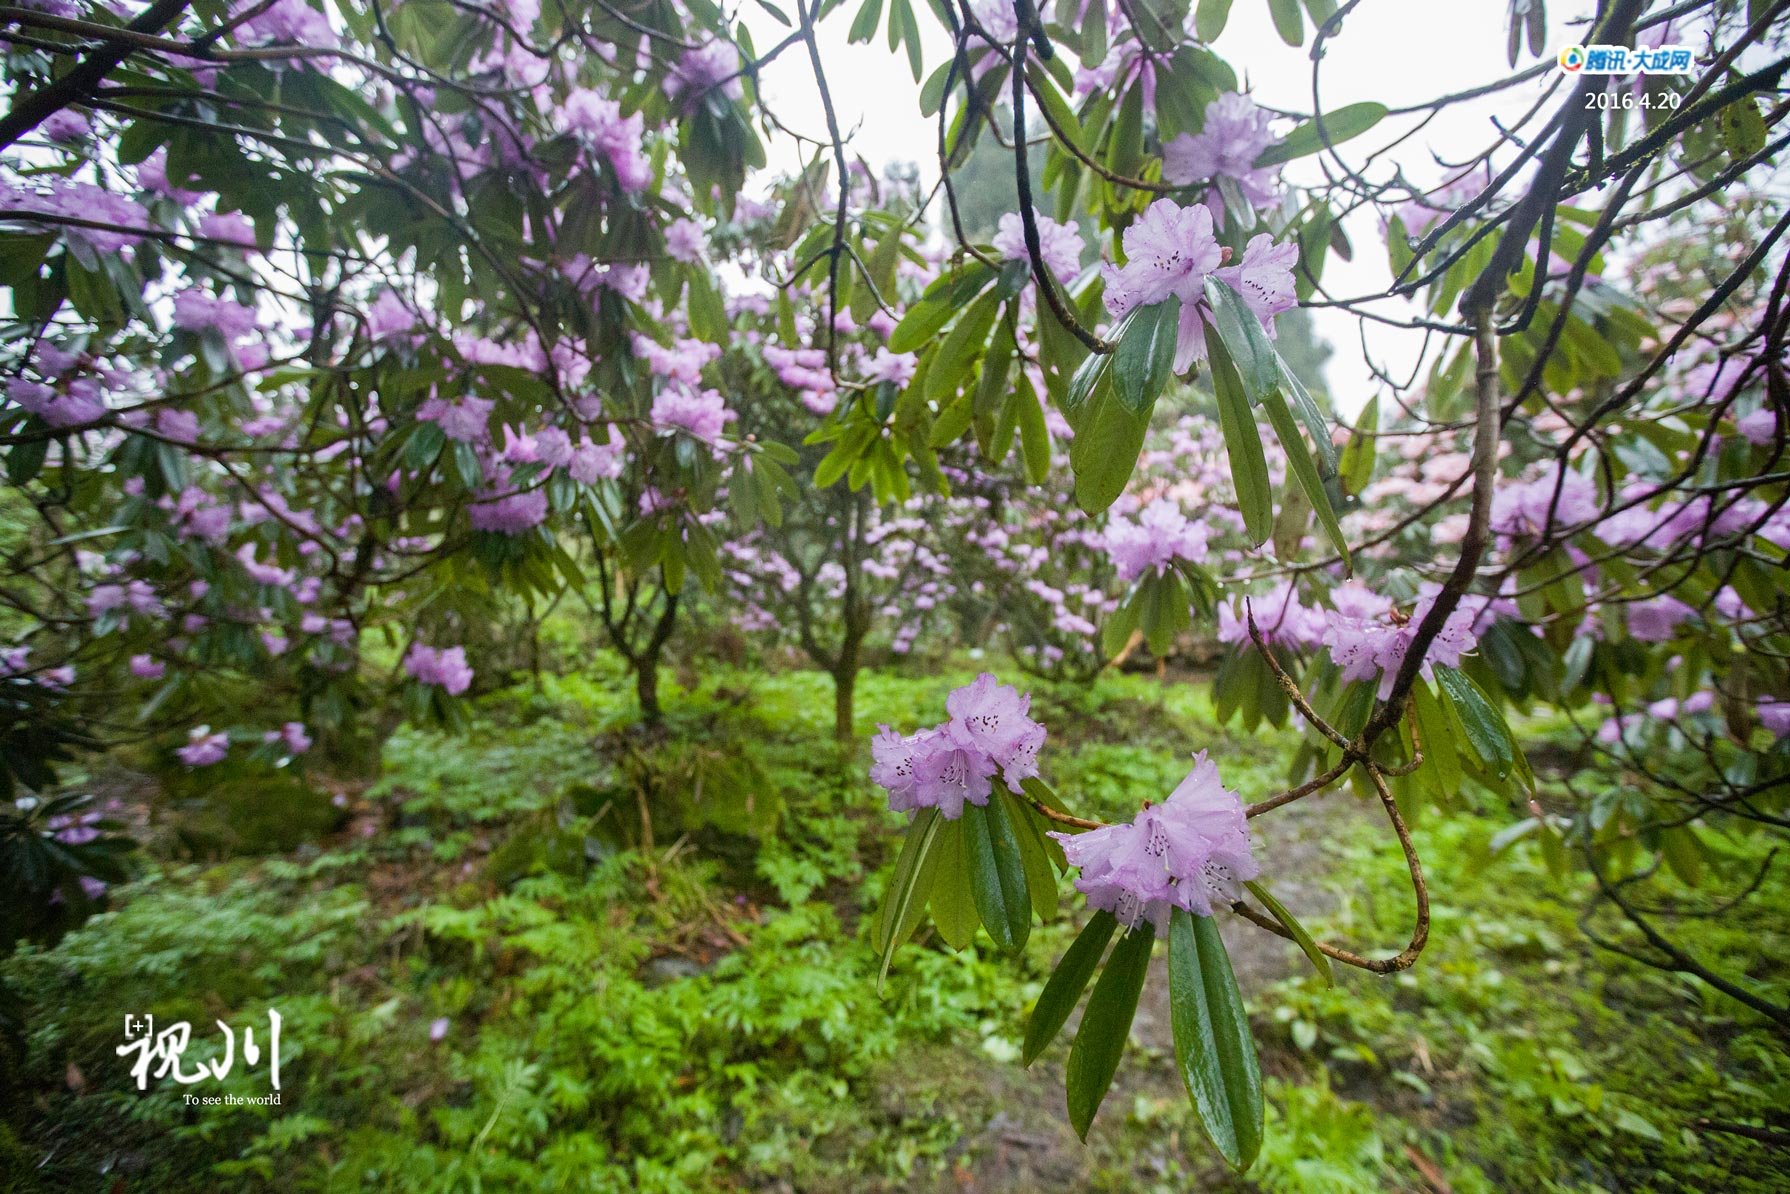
(953, 907)
(1143, 362)
(1062, 991)
(905, 902)
(1305, 471)
(1248, 345)
(1243, 446)
(997, 874)
(1213, 1046)
(1105, 1025)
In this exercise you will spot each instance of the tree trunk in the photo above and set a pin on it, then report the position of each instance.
(646, 687)
(845, 683)
(646, 664)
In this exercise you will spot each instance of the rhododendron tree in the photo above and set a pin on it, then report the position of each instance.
(337, 331)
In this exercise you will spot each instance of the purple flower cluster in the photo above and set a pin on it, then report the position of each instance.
(700, 70)
(1170, 250)
(1192, 852)
(511, 514)
(67, 200)
(443, 666)
(990, 731)
(1060, 244)
(291, 736)
(203, 748)
(1279, 616)
(703, 413)
(1530, 508)
(618, 138)
(1368, 636)
(1161, 535)
(1233, 137)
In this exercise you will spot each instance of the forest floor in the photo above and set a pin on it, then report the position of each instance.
(556, 951)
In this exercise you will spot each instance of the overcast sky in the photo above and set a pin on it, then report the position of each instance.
(1398, 52)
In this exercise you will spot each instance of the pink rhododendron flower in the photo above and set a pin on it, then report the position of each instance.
(1521, 509)
(152, 176)
(203, 748)
(685, 241)
(1060, 245)
(1758, 428)
(703, 413)
(592, 462)
(511, 514)
(1657, 619)
(467, 421)
(65, 126)
(701, 70)
(990, 732)
(1279, 616)
(181, 426)
(994, 719)
(896, 368)
(1233, 137)
(1373, 639)
(292, 22)
(388, 316)
(444, 666)
(1171, 250)
(618, 138)
(292, 736)
(262, 574)
(1161, 535)
(1168, 251)
(1192, 852)
(81, 403)
(196, 311)
(80, 201)
(147, 667)
(1774, 715)
(230, 227)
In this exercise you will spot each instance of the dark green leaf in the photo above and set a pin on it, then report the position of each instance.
(1105, 450)
(1213, 1046)
(1248, 345)
(1209, 19)
(1243, 446)
(1357, 465)
(909, 887)
(1306, 472)
(953, 908)
(1144, 360)
(1064, 987)
(941, 300)
(1339, 126)
(863, 26)
(1105, 1026)
(1035, 852)
(1480, 721)
(997, 874)
(1289, 22)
